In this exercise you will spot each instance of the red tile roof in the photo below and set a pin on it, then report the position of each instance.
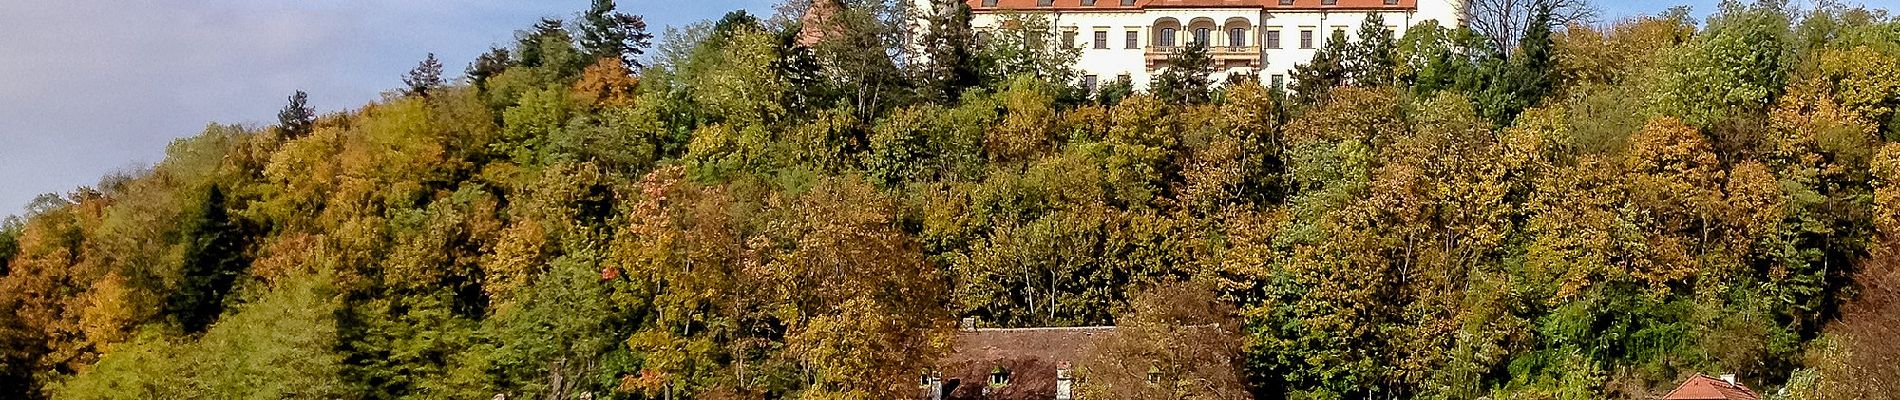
(1111, 5)
(1704, 387)
(1031, 355)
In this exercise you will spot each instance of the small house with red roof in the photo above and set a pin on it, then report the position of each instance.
(1704, 387)
(1011, 364)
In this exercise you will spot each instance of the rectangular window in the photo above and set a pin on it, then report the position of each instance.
(1279, 81)
(1273, 39)
(1306, 38)
(1092, 2)
(1068, 39)
(1237, 37)
(1101, 39)
(1200, 36)
(1134, 39)
(1167, 37)
(1391, 2)
(1282, 2)
(1089, 83)
(1045, 3)
(1128, 3)
(989, 3)
(1328, 2)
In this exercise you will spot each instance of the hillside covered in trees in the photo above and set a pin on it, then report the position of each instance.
(733, 210)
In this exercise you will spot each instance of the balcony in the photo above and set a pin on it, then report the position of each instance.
(1224, 56)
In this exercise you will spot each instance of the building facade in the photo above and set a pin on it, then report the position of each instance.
(1263, 38)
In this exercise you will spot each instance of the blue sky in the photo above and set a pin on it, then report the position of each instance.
(88, 87)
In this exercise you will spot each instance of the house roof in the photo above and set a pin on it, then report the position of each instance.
(1704, 387)
(1114, 5)
(819, 22)
(1031, 355)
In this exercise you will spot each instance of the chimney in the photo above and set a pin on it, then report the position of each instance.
(1730, 378)
(936, 386)
(1065, 381)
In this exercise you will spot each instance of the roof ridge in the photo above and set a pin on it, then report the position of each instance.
(1048, 328)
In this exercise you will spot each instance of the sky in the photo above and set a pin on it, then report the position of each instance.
(89, 87)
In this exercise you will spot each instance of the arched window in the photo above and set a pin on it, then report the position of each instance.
(1167, 37)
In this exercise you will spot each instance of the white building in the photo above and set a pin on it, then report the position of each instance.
(1265, 38)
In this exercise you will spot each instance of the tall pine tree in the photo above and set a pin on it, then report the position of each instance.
(1312, 80)
(949, 44)
(1373, 60)
(425, 77)
(488, 65)
(1528, 77)
(605, 32)
(214, 257)
(296, 119)
(1186, 79)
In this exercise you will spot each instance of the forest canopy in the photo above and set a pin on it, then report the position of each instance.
(757, 207)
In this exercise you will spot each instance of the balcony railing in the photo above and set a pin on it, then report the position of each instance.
(1222, 55)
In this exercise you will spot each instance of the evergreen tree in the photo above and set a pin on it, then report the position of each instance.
(296, 119)
(1312, 80)
(9, 242)
(1527, 78)
(607, 33)
(948, 44)
(733, 21)
(549, 46)
(1186, 79)
(214, 257)
(425, 77)
(1372, 61)
(488, 65)
(1113, 92)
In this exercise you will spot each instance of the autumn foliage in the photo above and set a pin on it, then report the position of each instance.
(731, 215)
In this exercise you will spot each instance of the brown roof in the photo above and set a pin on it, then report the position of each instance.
(1031, 355)
(1113, 5)
(1704, 387)
(819, 22)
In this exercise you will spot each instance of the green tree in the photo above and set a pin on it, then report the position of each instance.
(214, 259)
(487, 65)
(278, 346)
(1373, 60)
(549, 46)
(1312, 80)
(1186, 80)
(1115, 91)
(607, 33)
(1737, 65)
(1534, 75)
(1021, 46)
(296, 119)
(950, 50)
(425, 77)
